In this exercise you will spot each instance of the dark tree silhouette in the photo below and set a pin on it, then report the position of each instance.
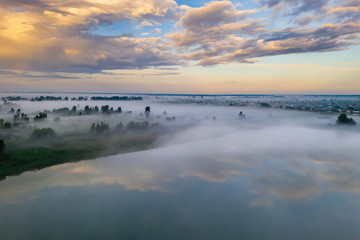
(16, 117)
(41, 115)
(7, 125)
(343, 119)
(99, 128)
(2, 145)
(241, 115)
(137, 125)
(42, 133)
(105, 109)
(119, 127)
(147, 111)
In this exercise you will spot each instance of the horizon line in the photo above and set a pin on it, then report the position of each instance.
(179, 94)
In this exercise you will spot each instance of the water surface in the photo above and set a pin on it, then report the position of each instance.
(275, 182)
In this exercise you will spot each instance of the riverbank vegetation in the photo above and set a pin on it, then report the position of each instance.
(25, 146)
(31, 140)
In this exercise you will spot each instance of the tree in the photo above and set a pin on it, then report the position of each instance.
(137, 125)
(147, 111)
(40, 115)
(105, 109)
(2, 145)
(16, 117)
(99, 128)
(42, 133)
(92, 128)
(241, 115)
(343, 119)
(7, 125)
(119, 127)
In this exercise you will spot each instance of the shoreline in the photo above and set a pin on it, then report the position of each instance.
(18, 159)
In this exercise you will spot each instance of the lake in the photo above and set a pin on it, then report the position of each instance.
(270, 182)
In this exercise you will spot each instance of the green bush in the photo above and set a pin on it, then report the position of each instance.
(343, 119)
(137, 125)
(119, 127)
(41, 115)
(99, 128)
(7, 125)
(42, 133)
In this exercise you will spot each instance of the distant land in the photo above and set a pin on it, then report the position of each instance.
(183, 94)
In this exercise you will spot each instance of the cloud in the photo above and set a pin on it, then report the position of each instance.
(70, 12)
(212, 15)
(324, 38)
(323, 10)
(71, 50)
(2, 72)
(162, 74)
(295, 7)
(58, 36)
(212, 35)
(146, 23)
(11, 74)
(212, 22)
(219, 34)
(305, 20)
(47, 76)
(166, 68)
(347, 11)
(55, 36)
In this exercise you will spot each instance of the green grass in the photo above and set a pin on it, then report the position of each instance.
(22, 155)
(33, 158)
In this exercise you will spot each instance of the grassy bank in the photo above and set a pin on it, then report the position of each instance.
(24, 155)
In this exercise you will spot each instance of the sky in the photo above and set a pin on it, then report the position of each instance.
(184, 46)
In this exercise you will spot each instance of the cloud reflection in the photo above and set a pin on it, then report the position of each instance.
(284, 163)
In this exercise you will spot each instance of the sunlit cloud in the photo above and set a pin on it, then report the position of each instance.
(232, 37)
(55, 36)
(50, 38)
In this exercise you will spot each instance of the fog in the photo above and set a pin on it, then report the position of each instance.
(186, 115)
(214, 177)
(288, 161)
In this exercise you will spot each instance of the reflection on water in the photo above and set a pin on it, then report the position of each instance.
(273, 183)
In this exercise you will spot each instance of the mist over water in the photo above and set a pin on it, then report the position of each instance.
(275, 174)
